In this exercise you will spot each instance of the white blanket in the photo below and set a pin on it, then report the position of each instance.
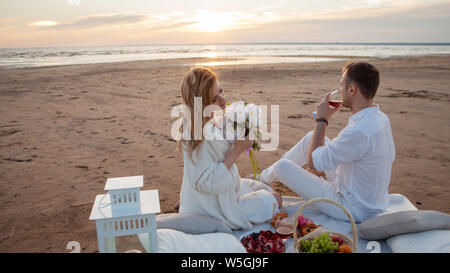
(397, 202)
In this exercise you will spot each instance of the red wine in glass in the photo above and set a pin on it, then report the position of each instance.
(335, 103)
(335, 99)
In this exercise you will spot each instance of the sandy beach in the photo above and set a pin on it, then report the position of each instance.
(65, 129)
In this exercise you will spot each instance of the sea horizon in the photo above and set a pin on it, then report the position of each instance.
(238, 53)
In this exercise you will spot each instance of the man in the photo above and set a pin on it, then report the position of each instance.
(356, 164)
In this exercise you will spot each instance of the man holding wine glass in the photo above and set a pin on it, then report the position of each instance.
(354, 168)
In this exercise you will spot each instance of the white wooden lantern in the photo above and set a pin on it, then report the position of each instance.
(124, 191)
(125, 210)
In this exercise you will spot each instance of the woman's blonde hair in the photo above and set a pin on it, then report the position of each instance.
(198, 82)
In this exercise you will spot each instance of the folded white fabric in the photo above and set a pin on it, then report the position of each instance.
(434, 241)
(258, 206)
(191, 223)
(173, 241)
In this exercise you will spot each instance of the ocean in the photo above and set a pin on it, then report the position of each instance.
(239, 53)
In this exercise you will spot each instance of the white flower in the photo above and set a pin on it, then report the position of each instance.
(235, 121)
(229, 132)
(254, 115)
(234, 131)
(236, 112)
(241, 118)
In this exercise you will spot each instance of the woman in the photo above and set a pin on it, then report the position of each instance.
(211, 182)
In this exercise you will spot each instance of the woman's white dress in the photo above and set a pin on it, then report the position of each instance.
(210, 189)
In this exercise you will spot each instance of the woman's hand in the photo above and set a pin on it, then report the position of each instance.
(242, 145)
(238, 147)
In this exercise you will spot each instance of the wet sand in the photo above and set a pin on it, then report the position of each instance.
(65, 130)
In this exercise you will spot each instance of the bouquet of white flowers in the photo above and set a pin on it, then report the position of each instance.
(242, 120)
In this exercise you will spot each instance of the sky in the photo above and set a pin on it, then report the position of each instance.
(45, 23)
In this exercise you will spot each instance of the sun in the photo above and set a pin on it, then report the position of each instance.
(44, 23)
(212, 22)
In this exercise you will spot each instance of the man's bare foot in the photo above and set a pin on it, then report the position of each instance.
(319, 174)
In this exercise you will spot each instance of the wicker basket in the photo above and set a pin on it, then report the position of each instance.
(319, 231)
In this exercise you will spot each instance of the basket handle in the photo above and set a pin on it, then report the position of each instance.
(316, 200)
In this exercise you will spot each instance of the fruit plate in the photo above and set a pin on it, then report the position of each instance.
(264, 241)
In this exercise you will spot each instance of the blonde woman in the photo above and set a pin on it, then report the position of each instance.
(211, 182)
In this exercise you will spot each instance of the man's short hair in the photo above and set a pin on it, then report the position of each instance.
(365, 75)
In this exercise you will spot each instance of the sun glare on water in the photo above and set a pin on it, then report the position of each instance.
(211, 55)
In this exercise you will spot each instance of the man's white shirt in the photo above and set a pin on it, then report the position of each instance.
(362, 155)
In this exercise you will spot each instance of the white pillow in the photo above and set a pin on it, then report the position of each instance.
(384, 226)
(191, 223)
(434, 241)
(173, 241)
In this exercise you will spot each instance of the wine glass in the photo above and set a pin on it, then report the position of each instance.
(335, 99)
(283, 230)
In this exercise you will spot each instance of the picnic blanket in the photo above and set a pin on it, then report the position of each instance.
(397, 202)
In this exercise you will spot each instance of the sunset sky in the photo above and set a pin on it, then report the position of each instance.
(26, 23)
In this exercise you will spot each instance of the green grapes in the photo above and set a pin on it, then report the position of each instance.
(321, 244)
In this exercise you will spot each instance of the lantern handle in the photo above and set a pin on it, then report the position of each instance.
(100, 205)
